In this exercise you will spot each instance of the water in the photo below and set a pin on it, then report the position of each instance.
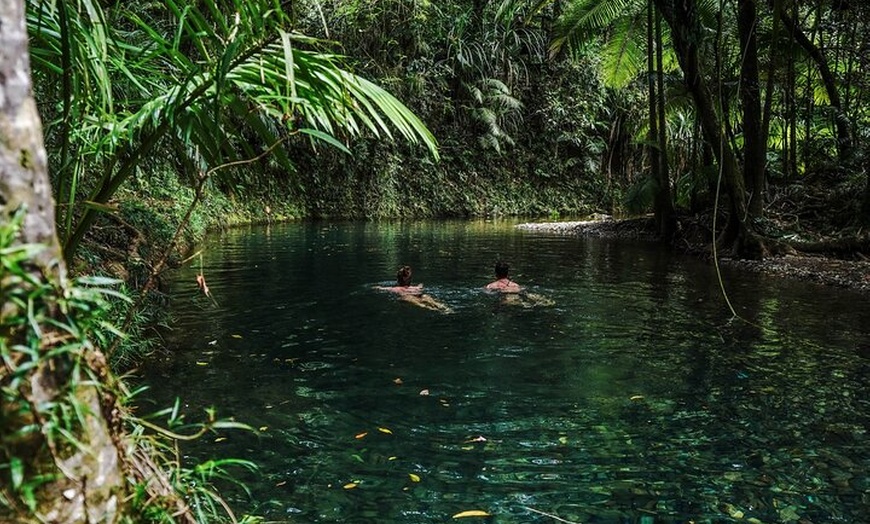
(634, 398)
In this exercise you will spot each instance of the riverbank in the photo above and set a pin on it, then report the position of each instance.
(826, 270)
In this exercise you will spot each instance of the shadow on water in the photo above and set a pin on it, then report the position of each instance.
(632, 398)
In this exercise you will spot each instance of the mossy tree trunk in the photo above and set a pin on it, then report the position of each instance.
(85, 481)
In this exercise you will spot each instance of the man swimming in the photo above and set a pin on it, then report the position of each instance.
(503, 282)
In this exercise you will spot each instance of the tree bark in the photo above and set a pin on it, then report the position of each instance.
(87, 483)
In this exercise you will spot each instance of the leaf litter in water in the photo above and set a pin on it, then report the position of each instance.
(471, 513)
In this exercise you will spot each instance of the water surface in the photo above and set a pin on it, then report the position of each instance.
(635, 397)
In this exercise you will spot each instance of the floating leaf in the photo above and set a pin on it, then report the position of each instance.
(264, 428)
(471, 513)
(236, 336)
(563, 440)
(414, 478)
(392, 458)
(220, 439)
(385, 430)
(201, 363)
(361, 435)
(636, 397)
(350, 485)
(397, 381)
(424, 393)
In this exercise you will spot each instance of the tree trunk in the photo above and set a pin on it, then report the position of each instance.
(754, 144)
(681, 16)
(663, 203)
(86, 481)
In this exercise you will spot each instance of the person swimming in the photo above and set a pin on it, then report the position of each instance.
(414, 294)
(511, 292)
(503, 282)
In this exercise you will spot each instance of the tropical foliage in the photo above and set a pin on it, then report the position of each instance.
(211, 83)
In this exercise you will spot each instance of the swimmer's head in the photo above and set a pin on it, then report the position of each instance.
(403, 276)
(501, 269)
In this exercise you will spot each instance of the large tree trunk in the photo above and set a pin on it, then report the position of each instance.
(87, 482)
(682, 18)
(754, 142)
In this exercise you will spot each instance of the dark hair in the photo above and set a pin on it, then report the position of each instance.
(501, 269)
(403, 276)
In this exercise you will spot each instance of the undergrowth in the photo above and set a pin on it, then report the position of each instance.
(52, 376)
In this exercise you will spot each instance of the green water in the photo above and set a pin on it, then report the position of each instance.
(634, 398)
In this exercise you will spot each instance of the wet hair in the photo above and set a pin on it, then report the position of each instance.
(501, 269)
(403, 276)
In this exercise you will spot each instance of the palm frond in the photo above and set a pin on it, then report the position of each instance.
(584, 19)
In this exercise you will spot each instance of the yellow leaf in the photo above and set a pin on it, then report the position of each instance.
(264, 428)
(414, 478)
(199, 363)
(392, 458)
(385, 430)
(350, 485)
(471, 513)
(563, 440)
(236, 336)
(220, 439)
(361, 435)
(636, 397)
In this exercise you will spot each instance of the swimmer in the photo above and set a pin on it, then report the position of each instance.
(414, 294)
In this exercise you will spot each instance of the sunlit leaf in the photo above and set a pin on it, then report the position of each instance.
(471, 513)
(636, 397)
(200, 363)
(397, 380)
(236, 336)
(424, 393)
(264, 428)
(220, 439)
(361, 435)
(385, 430)
(413, 477)
(351, 485)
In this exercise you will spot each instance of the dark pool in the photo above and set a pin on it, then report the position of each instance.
(634, 398)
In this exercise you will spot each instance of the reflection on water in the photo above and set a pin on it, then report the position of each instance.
(632, 398)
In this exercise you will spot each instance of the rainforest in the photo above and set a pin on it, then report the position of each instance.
(203, 202)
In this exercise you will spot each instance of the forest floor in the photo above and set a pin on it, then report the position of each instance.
(852, 272)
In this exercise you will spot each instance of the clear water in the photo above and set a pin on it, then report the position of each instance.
(634, 398)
